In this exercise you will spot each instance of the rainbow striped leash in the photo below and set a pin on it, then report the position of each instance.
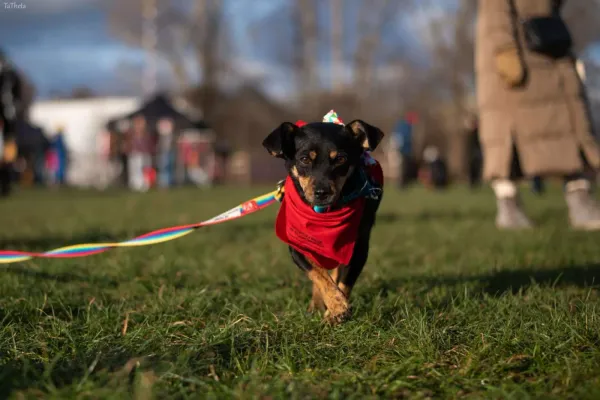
(155, 237)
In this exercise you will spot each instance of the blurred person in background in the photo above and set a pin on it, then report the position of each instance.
(167, 152)
(58, 158)
(537, 185)
(474, 151)
(436, 167)
(140, 155)
(123, 147)
(11, 88)
(403, 143)
(534, 119)
(104, 146)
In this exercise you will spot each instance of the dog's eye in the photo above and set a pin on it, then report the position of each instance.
(339, 160)
(305, 160)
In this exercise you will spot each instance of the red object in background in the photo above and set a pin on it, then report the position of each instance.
(150, 176)
(412, 117)
(52, 161)
(300, 123)
(424, 176)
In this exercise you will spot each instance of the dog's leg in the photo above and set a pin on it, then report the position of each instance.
(337, 305)
(316, 302)
(336, 302)
(349, 274)
(340, 276)
(335, 274)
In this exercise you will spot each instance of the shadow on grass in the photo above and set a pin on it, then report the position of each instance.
(454, 215)
(24, 375)
(108, 366)
(458, 215)
(514, 281)
(63, 277)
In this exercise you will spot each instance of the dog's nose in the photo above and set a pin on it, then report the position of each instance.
(321, 194)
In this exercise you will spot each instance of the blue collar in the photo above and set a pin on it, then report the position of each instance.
(360, 186)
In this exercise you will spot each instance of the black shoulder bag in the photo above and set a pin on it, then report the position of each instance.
(547, 35)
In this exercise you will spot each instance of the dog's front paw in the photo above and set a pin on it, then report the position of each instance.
(338, 309)
(336, 319)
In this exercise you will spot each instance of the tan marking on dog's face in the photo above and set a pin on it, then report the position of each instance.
(308, 187)
(307, 183)
(333, 154)
(312, 155)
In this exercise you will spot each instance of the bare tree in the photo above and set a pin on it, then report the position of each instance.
(187, 31)
(307, 37)
(337, 45)
(374, 17)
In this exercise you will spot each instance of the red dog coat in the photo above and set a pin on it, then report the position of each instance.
(327, 239)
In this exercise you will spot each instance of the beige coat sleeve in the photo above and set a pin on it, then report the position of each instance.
(499, 27)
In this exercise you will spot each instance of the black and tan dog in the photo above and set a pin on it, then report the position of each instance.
(331, 196)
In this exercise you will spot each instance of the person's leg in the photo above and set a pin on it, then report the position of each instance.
(473, 173)
(136, 176)
(124, 161)
(8, 156)
(164, 170)
(584, 210)
(510, 214)
(537, 185)
(401, 170)
(4, 179)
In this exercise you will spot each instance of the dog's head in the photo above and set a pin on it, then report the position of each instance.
(321, 156)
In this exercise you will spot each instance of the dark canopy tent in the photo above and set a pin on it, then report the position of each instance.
(31, 139)
(157, 108)
(32, 145)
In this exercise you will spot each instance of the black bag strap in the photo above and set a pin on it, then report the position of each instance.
(514, 19)
(556, 5)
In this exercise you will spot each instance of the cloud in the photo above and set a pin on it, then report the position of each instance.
(419, 21)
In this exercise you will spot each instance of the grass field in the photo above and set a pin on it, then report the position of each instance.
(447, 307)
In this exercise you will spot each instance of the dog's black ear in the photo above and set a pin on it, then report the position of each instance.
(280, 142)
(367, 135)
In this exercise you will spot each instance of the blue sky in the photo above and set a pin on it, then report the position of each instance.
(62, 44)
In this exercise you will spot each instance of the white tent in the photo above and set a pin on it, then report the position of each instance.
(81, 120)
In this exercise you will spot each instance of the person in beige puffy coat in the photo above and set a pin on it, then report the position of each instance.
(534, 117)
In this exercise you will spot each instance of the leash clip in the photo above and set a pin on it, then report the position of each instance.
(279, 194)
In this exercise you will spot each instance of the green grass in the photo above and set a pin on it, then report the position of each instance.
(447, 307)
